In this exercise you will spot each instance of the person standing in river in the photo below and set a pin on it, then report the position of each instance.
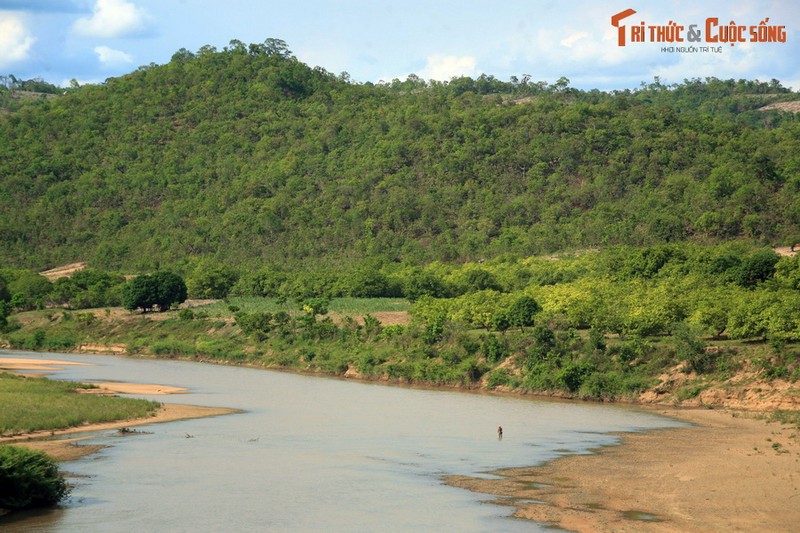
(499, 432)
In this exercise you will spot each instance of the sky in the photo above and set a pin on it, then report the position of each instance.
(376, 40)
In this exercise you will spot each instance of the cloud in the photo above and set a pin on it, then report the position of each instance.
(111, 18)
(574, 38)
(15, 41)
(109, 56)
(443, 68)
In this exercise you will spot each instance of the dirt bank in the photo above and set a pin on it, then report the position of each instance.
(728, 472)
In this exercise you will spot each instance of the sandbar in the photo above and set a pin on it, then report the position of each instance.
(727, 472)
(53, 442)
(36, 365)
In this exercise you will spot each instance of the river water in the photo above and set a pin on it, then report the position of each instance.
(311, 454)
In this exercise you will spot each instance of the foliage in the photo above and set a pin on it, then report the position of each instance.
(211, 280)
(522, 311)
(88, 288)
(29, 478)
(159, 290)
(247, 158)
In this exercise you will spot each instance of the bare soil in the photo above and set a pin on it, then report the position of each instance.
(63, 271)
(728, 472)
(791, 107)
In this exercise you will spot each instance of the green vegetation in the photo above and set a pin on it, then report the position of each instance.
(161, 290)
(29, 479)
(32, 404)
(342, 306)
(245, 158)
(543, 238)
(595, 325)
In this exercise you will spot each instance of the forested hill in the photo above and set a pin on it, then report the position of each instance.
(249, 156)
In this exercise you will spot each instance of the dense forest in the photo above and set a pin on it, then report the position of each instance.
(246, 157)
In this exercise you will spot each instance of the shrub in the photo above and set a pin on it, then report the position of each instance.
(392, 330)
(601, 386)
(493, 348)
(29, 479)
(498, 378)
(171, 347)
(690, 349)
(59, 343)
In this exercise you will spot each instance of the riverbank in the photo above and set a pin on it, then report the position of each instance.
(727, 472)
(61, 447)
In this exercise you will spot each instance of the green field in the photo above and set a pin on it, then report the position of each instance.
(341, 306)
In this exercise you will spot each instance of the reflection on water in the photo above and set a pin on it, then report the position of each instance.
(312, 454)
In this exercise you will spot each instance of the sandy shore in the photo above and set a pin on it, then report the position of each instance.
(727, 473)
(66, 449)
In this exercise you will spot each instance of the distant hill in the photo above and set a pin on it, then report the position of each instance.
(248, 156)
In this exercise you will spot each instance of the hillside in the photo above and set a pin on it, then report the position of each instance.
(248, 156)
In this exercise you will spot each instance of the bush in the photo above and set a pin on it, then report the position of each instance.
(493, 348)
(498, 378)
(690, 349)
(171, 347)
(29, 479)
(601, 386)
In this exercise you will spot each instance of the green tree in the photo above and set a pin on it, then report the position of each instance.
(522, 312)
(421, 283)
(787, 272)
(29, 289)
(368, 281)
(161, 289)
(169, 289)
(211, 280)
(29, 479)
(756, 268)
(5, 311)
(478, 279)
(138, 293)
(5, 295)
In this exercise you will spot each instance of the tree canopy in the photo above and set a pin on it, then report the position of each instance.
(159, 290)
(246, 155)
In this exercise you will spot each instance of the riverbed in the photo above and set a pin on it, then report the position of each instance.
(311, 454)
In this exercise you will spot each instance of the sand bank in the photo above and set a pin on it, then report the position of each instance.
(17, 364)
(65, 449)
(727, 473)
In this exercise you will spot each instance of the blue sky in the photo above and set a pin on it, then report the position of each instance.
(376, 40)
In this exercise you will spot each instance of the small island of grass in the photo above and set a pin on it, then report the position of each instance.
(30, 478)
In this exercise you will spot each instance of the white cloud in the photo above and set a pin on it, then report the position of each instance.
(109, 56)
(15, 41)
(574, 38)
(443, 68)
(111, 18)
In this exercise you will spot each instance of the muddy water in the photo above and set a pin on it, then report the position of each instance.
(312, 454)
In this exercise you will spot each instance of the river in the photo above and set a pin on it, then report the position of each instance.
(311, 454)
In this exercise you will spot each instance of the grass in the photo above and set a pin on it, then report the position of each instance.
(33, 404)
(786, 417)
(342, 306)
